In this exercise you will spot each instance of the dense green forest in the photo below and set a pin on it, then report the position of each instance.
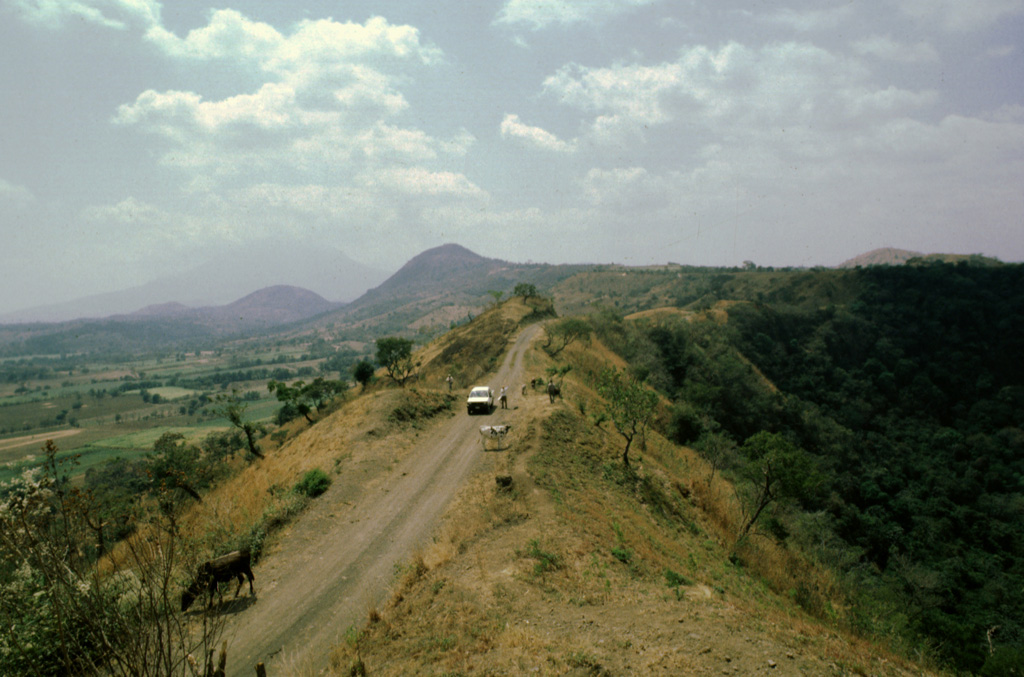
(909, 400)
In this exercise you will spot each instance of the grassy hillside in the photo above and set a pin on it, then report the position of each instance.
(587, 567)
(830, 483)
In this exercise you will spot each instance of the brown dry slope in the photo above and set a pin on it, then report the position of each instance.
(567, 572)
(339, 560)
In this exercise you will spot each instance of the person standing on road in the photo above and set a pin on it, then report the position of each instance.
(503, 397)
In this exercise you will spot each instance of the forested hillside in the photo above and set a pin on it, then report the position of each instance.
(901, 413)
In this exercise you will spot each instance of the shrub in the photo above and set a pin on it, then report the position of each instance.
(313, 483)
(674, 580)
(546, 561)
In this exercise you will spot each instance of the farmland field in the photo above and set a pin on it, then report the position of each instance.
(97, 411)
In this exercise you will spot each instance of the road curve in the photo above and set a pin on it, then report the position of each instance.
(325, 590)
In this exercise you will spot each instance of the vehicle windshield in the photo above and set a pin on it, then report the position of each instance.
(479, 392)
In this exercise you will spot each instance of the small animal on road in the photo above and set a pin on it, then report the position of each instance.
(496, 433)
(216, 571)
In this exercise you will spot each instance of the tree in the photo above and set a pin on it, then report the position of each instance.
(565, 331)
(363, 371)
(175, 465)
(497, 295)
(320, 392)
(233, 410)
(395, 354)
(776, 470)
(525, 290)
(64, 615)
(558, 371)
(340, 361)
(630, 404)
(303, 397)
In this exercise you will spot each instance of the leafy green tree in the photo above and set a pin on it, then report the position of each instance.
(395, 354)
(363, 371)
(175, 465)
(525, 290)
(319, 392)
(303, 397)
(564, 332)
(290, 395)
(233, 409)
(630, 404)
(776, 470)
(116, 487)
(558, 371)
(340, 361)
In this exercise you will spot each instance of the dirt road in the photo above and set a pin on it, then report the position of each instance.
(339, 560)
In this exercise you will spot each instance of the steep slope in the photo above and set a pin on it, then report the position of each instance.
(584, 568)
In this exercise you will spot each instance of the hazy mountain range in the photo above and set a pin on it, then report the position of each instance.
(227, 276)
(295, 283)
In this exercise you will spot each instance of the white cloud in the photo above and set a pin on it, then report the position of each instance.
(169, 113)
(513, 128)
(129, 211)
(14, 195)
(628, 188)
(884, 47)
(325, 110)
(1001, 51)
(313, 48)
(539, 15)
(735, 89)
(417, 181)
(114, 14)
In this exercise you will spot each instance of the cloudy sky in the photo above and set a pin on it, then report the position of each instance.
(136, 136)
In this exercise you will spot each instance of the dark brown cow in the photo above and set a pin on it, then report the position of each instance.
(211, 574)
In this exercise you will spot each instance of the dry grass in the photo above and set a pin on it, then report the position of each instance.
(566, 574)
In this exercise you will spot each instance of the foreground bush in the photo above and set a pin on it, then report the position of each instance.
(313, 483)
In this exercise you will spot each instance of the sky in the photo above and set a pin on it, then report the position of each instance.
(140, 138)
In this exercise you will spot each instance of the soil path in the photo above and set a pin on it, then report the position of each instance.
(25, 440)
(339, 560)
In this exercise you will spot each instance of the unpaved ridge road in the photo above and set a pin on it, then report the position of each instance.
(312, 588)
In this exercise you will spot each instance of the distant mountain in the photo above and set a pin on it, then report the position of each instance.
(437, 270)
(440, 285)
(886, 256)
(226, 276)
(167, 324)
(897, 257)
(280, 304)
